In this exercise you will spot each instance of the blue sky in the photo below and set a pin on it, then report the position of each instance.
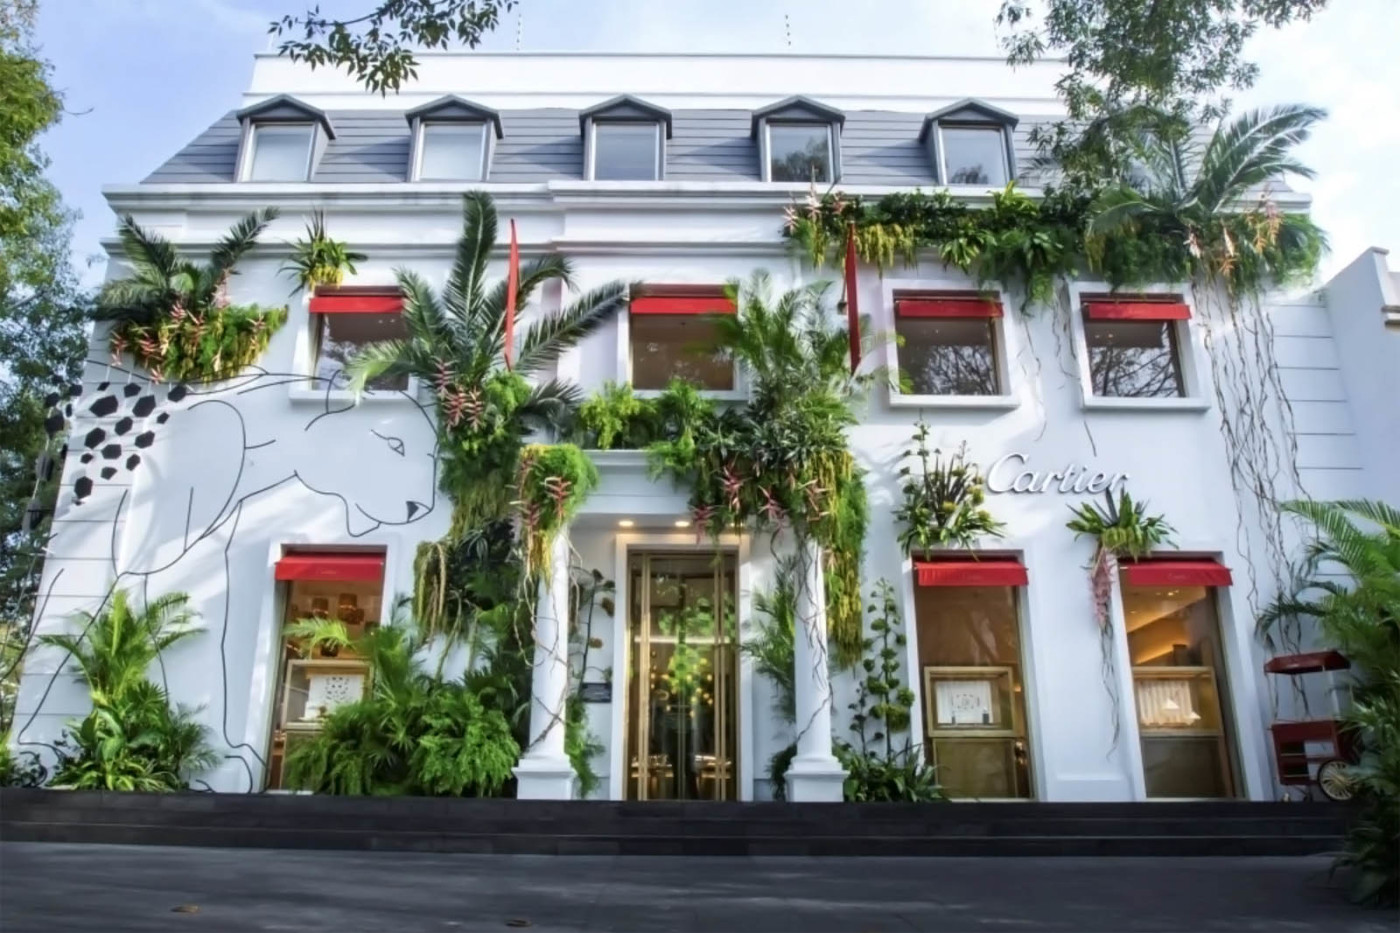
(143, 77)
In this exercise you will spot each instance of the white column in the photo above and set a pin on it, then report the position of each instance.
(544, 772)
(815, 775)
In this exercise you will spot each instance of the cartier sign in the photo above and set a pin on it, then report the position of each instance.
(1009, 474)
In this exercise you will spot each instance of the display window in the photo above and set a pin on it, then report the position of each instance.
(1179, 688)
(316, 679)
(969, 647)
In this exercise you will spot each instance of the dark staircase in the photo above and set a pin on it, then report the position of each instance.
(671, 828)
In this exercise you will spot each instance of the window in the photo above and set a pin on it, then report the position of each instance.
(1134, 358)
(974, 155)
(626, 151)
(340, 335)
(673, 334)
(281, 153)
(345, 586)
(948, 346)
(452, 152)
(1179, 688)
(974, 698)
(799, 152)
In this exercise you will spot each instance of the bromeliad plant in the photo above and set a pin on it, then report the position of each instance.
(943, 501)
(317, 259)
(173, 315)
(781, 461)
(1120, 529)
(554, 480)
(456, 344)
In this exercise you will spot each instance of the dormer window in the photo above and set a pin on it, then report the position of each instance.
(799, 140)
(969, 143)
(281, 152)
(625, 140)
(452, 140)
(283, 139)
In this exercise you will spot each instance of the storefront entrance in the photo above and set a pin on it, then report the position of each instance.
(682, 677)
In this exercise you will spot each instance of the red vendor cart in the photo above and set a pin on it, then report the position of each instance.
(1314, 751)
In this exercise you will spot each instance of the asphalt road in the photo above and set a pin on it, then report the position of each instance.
(53, 888)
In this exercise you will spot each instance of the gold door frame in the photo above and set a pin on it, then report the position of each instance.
(637, 722)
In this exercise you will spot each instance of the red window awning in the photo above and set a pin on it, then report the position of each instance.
(1312, 662)
(331, 565)
(989, 571)
(357, 299)
(1176, 572)
(1137, 311)
(947, 307)
(681, 299)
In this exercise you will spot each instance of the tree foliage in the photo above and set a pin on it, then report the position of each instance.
(376, 48)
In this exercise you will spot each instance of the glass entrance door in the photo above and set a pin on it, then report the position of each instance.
(682, 686)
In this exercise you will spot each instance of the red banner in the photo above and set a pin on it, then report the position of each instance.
(512, 287)
(852, 302)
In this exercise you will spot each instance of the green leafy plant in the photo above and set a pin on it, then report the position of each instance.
(456, 344)
(133, 739)
(317, 259)
(944, 502)
(173, 315)
(1348, 587)
(772, 643)
(554, 481)
(780, 461)
(879, 768)
(20, 769)
(414, 733)
(615, 417)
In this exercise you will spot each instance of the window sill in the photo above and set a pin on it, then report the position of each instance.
(718, 395)
(973, 402)
(299, 392)
(1097, 403)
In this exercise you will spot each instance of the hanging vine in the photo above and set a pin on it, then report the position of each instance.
(552, 483)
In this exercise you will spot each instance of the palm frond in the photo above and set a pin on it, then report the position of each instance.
(464, 288)
(550, 404)
(1252, 149)
(239, 239)
(550, 337)
(387, 357)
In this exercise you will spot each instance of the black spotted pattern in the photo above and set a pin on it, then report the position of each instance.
(94, 437)
(82, 488)
(131, 389)
(133, 461)
(144, 439)
(104, 406)
(122, 426)
(85, 458)
(111, 451)
(53, 424)
(109, 472)
(162, 417)
(144, 406)
(177, 392)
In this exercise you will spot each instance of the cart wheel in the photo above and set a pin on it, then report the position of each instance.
(1334, 781)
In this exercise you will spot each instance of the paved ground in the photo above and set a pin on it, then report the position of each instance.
(105, 889)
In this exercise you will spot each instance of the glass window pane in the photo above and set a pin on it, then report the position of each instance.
(343, 335)
(948, 356)
(799, 152)
(625, 151)
(974, 713)
(974, 156)
(678, 346)
(1134, 359)
(1179, 690)
(280, 153)
(451, 152)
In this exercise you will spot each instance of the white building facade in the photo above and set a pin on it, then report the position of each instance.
(270, 496)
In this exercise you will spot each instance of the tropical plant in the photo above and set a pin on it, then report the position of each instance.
(1188, 213)
(1348, 587)
(414, 733)
(133, 739)
(456, 344)
(20, 769)
(879, 768)
(317, 259)
(116, 646)
(943, 502)
(173, 314)
(771, 646)
(615, 417)
(781, 461)
(554, 481)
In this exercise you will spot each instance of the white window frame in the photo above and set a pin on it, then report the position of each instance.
(420, 135)
(310, 389)
(768, 149)
(1006, 340)
(1189, 349)
(245, 169)
(739, 393)
(591, 174)
(981, 127)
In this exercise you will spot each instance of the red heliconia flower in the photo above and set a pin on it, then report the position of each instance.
(701, 516)
(475, 408)
(443, 377)
(156, 375)
(558, 488)
(731, 483)
(772, 509)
